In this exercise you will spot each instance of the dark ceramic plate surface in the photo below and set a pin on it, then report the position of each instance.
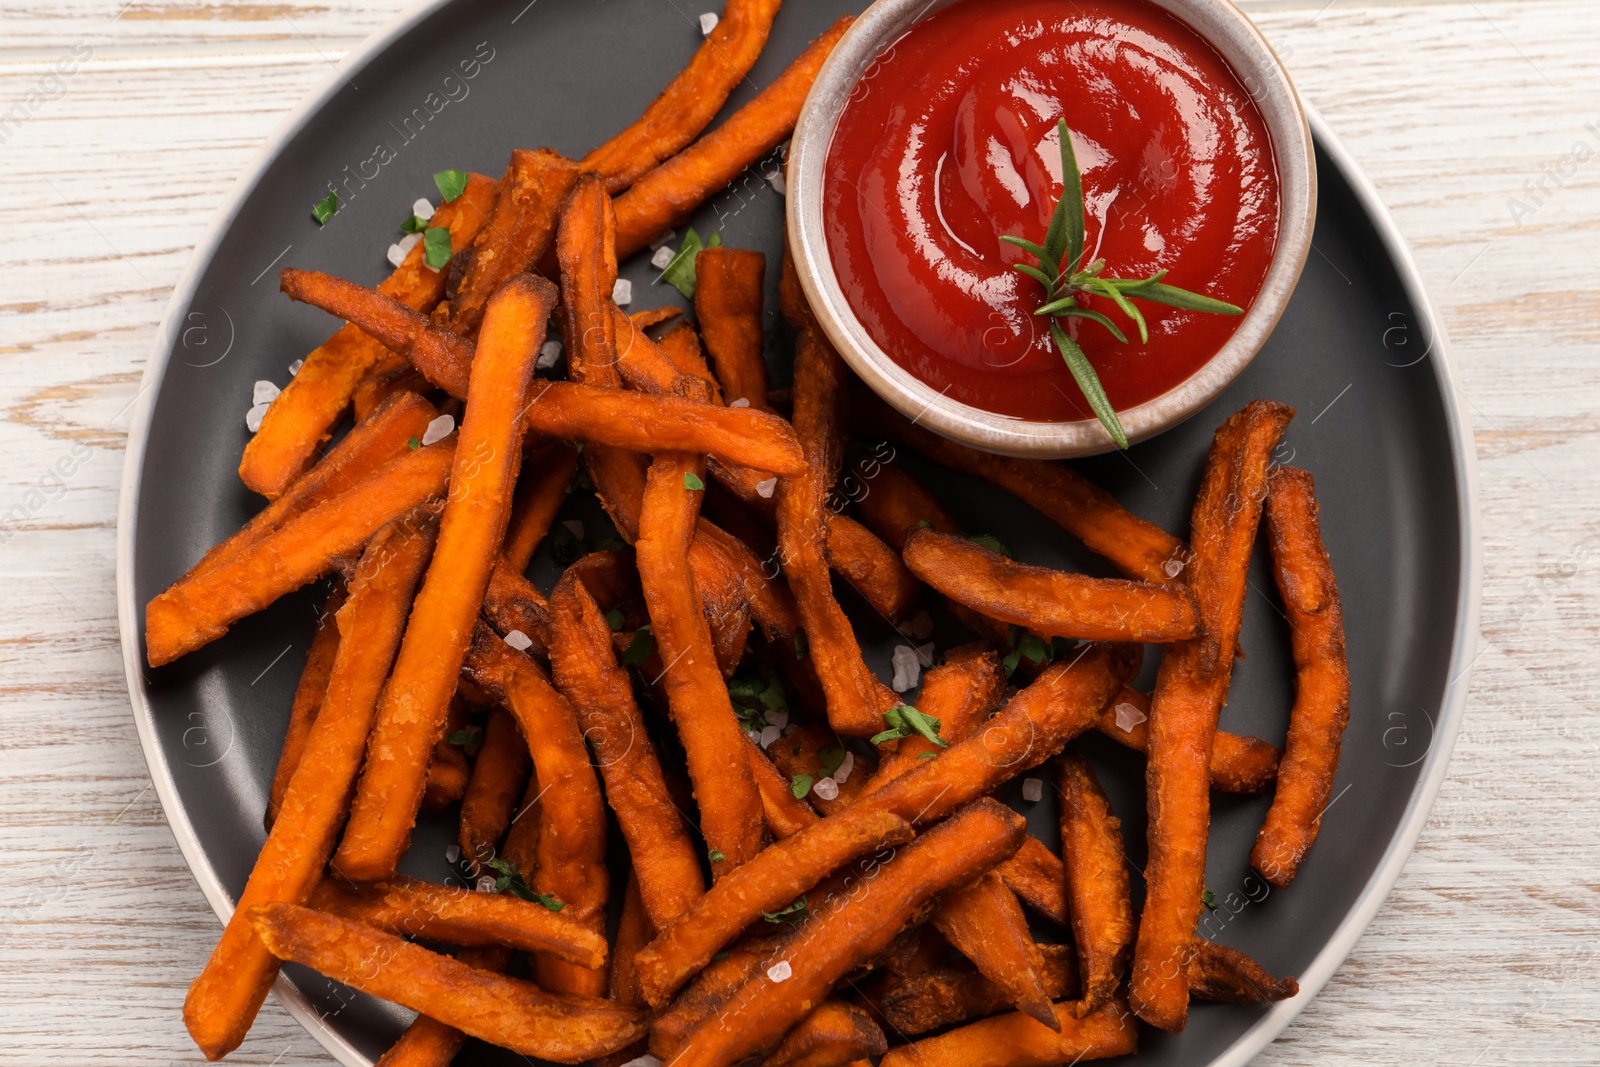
(1359, 353)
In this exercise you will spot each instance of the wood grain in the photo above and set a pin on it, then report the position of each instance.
(1487, 953)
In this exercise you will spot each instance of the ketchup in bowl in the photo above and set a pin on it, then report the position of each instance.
(949, 141)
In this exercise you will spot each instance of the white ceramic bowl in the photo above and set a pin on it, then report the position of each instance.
(1238, 41)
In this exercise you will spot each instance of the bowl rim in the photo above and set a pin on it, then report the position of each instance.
(1254, 63)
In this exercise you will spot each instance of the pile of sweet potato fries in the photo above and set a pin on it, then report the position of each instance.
(846, 888)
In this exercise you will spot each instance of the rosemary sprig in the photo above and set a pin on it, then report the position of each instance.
(1064, 276)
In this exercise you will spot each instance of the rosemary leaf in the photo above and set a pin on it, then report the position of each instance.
(1089, 382)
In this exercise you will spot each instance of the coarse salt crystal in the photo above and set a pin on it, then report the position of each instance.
(907, 668)
(486, 884)
(439, 429)
(663, 258)
(622, 292)
(402, 248)
(769, 734)
(742, 402)
(708, 22)
(574, 527)
(264, 392)
(665, 239)
(519, 640)
(779, 183)
(753, 735)
(846, 765)
(294, 368)
(549, 354)
(1128, 717)
(780, 971)
(253, 417)
(826, 788)
(452, 854)
(1033, 790)
(423, 208)
(919, 626)
(646, 1060)
(1172, 568)
(791, 728)
(764, 489)
(780, 719)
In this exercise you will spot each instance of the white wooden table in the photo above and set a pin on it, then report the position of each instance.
(1480, 124)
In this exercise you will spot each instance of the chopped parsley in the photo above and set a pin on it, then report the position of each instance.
(565, 546)
(992, 543)
(470, 737)
(755, 695)
(800, 785)
(614, 620)
(436, 247)
(680, 272)
(1033, 648)
(692, 482)
(451, 183)
(415, 224)
(326, 208)
(510, 880)
(793, 913)
(830, 759)
(906, 720)
(639, 649)
(413, 444)
(1209, 899)
(715, 856)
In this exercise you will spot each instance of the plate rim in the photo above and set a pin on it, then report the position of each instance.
(1245, 1047)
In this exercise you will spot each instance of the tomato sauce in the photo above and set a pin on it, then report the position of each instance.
(950, 141)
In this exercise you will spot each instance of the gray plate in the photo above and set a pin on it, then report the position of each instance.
(1359, 353)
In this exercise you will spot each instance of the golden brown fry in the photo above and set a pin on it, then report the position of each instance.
(224, 999)
(704, 997)
(518, 234)
(409, 907)
(1139, 549)
(844, 931)
(1239, 763)
(1322, 697)
(1190, 689)
(308, 696)
(1048, 602)
(1097, 883)
(304, 414)
(499, 775)
(1017, 1041)
(587, 253)
(431, 1043)
(729, 284)
(470, 531)
(572, 818)
(681, 346)
(788, 868)
(834, 1034)
(1227, 975)
(696, 694)
(856, 698)
(1038, 878)
(984, 922)
(1034, 726)
(504, 1011)
(928, 998)
(200, 607)
(668, 195)
(692, 99)
(665, 861)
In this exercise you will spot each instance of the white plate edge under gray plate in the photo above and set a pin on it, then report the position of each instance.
(1252, 1041)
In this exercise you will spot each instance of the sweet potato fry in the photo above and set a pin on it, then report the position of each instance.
(1227, 975)
(1190, 689)
(224, 999)
(308, 696)
(503, 1011)
(385, 381)
(1034, 726)
(572, 818)
(1038, 878)
(729, 284)
(448, 775)
(521, 846)
(303, 415)
(698, 698)
(984, 922)
(634, 932)
(499, 775)
(668, 195)
(519, 232)
(199, 608)
(409, 907)
(587, 253)
(368, 446)
(786, 813)
(938, 996)
(1322, 699)
(511, 603)
(470, 531)
(810, 753)
(681, 345)
(586, 670)
(856, 698)
(834, 1034)
(1048, 602)
(1239, 763)
(848, 929)
(692, 99)
(872, 568)
(643, 320)
(634, 422)
(712, 987)
(1097, 883)
(431, 1043)
(787, 869)
(1140, 550)
(541, 491)
(1017, 1041)
(961, 693)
